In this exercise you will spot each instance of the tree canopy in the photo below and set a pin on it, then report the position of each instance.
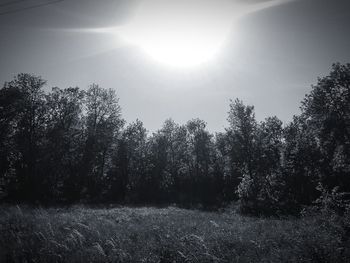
(72, 145)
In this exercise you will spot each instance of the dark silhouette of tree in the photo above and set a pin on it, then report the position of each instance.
(118, 177)
(272, 187)
(265, 189)
(200, 158)
(301, 162)
(10, 102)
(327, 111)
(165, 160)
(27, 126)
(241, 140)
(64, 140)
(134, 141)
(103, 123)
(70, 145)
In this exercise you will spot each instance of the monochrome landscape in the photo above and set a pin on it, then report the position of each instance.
(174, 131)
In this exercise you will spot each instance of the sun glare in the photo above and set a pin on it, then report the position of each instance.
(177, 33)
(184, 48)
(182, 33)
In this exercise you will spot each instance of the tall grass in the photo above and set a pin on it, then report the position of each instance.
(80, 234)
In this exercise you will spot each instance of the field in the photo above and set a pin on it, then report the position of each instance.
(122, 234)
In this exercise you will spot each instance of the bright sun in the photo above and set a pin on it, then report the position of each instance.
(178, 33)
(183, 33)
(179, 49)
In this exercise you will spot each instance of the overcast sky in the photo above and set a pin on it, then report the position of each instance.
(271, 55)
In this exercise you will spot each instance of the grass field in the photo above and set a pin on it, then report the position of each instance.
(80, 234)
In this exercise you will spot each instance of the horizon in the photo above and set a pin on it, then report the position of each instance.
(266, 53)
(174, 131)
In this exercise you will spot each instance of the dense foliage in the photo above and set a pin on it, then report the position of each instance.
(71, 145)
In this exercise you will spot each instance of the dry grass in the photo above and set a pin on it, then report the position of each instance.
(171, 234)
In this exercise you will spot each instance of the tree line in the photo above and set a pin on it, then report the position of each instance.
(72, 145)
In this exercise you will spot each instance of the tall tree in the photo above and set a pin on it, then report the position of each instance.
(241, 140)
(10, 103)
(64, 136)
(166, 155)
(134, 139)
(327, 110)
(265, 190)
(103, 124)
(301, 162)
(200, 154)
(28, 127)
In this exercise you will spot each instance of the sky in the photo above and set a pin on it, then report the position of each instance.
(179, 59)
